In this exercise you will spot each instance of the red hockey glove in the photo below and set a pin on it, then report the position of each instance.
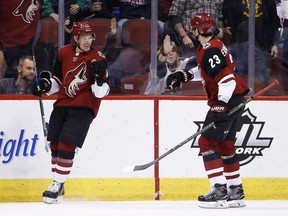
(220, 111)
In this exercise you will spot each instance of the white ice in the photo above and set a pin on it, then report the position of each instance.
(141, 208)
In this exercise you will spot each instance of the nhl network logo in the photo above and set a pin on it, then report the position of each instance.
(249, 143)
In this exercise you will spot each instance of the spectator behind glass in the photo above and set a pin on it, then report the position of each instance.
(72, 9)
(180, 14)
(282, 12)
(96, 9)
(135, 9)
(3, 66)
(169, 61)
(18, 26)
(23, 83)
(109, 50)
(236, 16)
(164, 8)
(284, 15)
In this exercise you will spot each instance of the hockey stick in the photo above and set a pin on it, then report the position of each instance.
(145, 166)
(37, 35)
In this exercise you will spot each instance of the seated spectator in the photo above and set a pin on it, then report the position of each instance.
(169, 61)
(164, 8)
(134, 9)
(180, 15)
(109, 49)
(96, 9)
(284, 14)
(72, 10)
(236, 15)
(23, 83)
(3, 66)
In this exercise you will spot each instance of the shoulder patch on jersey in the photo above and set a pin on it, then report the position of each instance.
(206, 45)
(101, 54)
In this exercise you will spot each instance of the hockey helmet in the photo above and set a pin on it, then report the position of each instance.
(82, 28)
(203, 22)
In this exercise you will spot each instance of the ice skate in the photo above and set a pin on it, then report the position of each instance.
(236, 196)
(216, 198)
(54, 193)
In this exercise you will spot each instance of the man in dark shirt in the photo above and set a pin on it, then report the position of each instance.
(23, 83)
(236, 16)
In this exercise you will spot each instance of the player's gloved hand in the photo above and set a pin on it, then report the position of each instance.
(99, 71)
(42, 87)
(174, 80)
(220, 111)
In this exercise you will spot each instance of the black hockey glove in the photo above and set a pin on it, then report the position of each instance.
(99, 71)
(42, 87)
(174, 80)
(220, 112)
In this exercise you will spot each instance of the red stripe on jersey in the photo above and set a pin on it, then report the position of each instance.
(229, 79)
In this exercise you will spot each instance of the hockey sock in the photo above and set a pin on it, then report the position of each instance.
(232, 169)
(62, 169)
(214, 167)
(62, 160)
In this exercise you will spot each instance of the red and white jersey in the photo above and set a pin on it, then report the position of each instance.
(73, 72)
(19, 19)
(216, 66)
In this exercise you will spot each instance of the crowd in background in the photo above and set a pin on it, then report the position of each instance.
(129, 58)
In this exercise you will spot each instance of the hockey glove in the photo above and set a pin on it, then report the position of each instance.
(42, 87)
(99, 71)
(220, 112)
(174, 80)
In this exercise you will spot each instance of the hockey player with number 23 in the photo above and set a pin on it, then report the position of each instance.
(225, 90)
(80, 79)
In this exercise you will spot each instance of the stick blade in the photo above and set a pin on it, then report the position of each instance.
(128, 169)
(137, 167)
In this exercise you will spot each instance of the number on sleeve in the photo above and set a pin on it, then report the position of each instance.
(214, 60)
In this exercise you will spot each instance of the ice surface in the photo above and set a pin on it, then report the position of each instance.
(141, 208)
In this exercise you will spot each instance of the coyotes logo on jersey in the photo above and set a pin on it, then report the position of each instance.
(26, 10)
(74, 78)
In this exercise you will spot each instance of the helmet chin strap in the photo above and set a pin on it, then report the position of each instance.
(80, 48)
(78, 45)
(196, 36)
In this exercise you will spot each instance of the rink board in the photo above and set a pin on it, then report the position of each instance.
(124, 134)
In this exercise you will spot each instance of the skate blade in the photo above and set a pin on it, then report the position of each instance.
(236, 203)
(49, 200)
(221, 204)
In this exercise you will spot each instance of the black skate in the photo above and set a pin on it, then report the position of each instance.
(216, 198)
(54, 193)
(236, 196)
